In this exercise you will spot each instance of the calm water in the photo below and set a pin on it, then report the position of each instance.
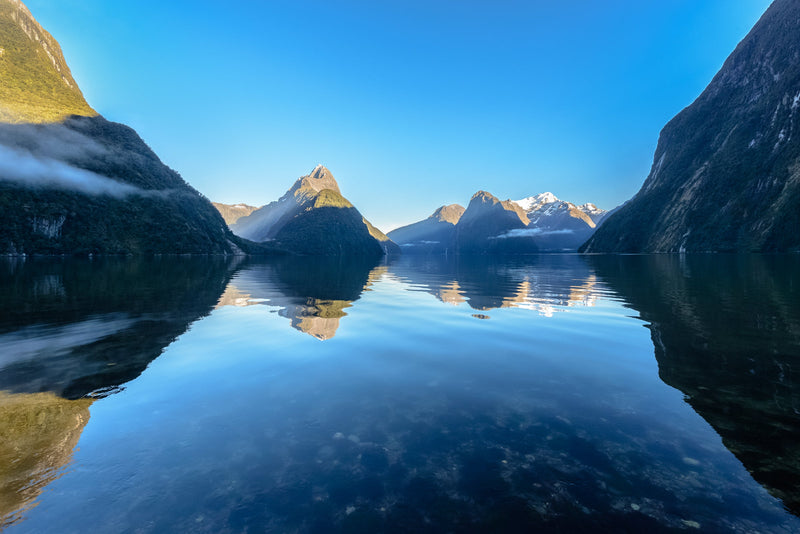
(555, 393)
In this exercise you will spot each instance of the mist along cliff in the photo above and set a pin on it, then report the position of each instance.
(726, 172)
(313, 218)
(73, 182)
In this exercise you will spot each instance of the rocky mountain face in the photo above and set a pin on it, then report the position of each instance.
(233, 212)
(313, 218)
(435, 234)
(73, 182)
(490, 225)
(557, 225)
(726, 172)
(540, 223)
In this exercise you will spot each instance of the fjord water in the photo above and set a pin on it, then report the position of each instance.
(429, 394)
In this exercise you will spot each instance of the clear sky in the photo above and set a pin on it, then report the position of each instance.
(411, 104)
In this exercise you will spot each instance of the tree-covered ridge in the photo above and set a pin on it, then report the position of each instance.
(92, 186)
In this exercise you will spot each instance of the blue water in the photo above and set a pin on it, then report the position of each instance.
(424, 395)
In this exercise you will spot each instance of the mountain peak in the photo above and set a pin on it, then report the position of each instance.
(37, 84)
(483, 196)
(320, 171)
(450, 213)
(536, 201)
(318, 179)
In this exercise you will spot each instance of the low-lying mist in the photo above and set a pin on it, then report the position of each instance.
(45, 156)
(24, 168)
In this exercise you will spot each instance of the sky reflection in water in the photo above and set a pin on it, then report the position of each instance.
(318, 396)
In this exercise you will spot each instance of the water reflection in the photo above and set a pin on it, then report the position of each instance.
(313, 293)
(39, 433)
(545, 284)
(82, 327)
(726, 332)
(420, 419)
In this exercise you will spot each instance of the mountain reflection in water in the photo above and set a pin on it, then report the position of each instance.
(84, 327)
(726, 332)
(313, 292)
(412, 414)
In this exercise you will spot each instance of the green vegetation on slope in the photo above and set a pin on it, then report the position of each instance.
(37, 85)
(327, 224)
(163, 214)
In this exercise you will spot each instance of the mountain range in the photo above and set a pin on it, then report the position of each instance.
(726, 171)
(725, 176)
(540, 223)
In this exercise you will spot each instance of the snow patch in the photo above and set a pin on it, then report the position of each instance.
(536, 201)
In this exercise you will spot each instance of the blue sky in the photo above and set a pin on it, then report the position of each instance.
(411, 104)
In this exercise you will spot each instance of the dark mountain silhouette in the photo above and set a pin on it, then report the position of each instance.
(725, 175)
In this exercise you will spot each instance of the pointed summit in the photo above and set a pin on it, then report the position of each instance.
(317, 180)
(313, 218)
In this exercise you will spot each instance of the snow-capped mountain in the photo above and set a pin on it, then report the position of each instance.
(558, 225)
(544, 207)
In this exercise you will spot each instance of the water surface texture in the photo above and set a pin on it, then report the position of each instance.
(544, 393)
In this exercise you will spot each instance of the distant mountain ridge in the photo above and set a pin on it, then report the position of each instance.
(313, 218)
(436, 233)
(233, 212)
(726, 172)
(558, 225)
(539, 223)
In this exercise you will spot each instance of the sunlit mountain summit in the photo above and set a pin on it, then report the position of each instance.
(313, 218)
